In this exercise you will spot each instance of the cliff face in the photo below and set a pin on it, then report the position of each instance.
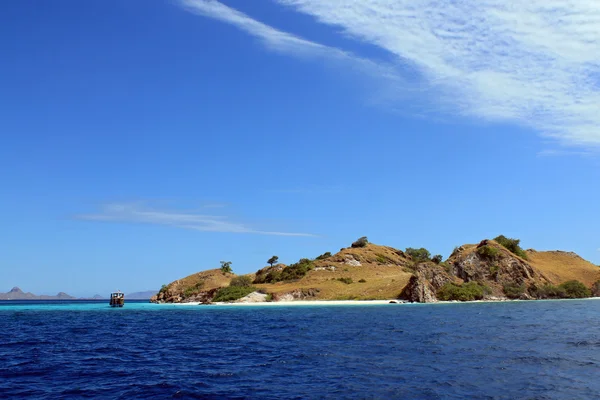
(428, 278)
(493, 265)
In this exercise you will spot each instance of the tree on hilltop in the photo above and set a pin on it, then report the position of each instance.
(226, 267)
(273, 260)
(361, 242)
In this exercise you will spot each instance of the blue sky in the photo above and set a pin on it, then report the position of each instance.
(142, 141)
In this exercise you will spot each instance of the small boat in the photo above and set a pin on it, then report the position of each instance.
(117, 299)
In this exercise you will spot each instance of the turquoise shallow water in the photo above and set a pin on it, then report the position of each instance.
(541, 350)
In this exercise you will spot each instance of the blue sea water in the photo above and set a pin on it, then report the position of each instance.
(512, 350)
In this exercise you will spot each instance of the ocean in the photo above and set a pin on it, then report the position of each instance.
(508, 350)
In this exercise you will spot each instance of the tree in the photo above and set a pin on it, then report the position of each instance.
(512, 245)
(418, 255)
(241, 281)
(226, 267)
(437, 258)
(273, 260)
(361, 242)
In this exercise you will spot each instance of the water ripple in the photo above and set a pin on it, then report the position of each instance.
(522, 350)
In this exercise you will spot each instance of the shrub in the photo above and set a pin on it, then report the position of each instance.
(418, 255)
(466, 292)
(347, 281)
(488, 252)
(575, 290)
(512, 245)
(193, 290)
(324, 256)
(547, 291)
(513, 291)
(361, 242)
(362, 281)
(297, 270)
(437, 258)
(163, 288)
(232, 293)
(241, 281)
(381, 259)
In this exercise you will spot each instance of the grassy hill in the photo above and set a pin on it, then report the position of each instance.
(561, 266)
(384, 271)
(366, 271)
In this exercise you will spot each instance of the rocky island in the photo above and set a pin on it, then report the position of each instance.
(497, 269)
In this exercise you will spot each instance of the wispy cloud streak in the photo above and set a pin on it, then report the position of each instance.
(133, 213)
(287, 43)
(536, 63)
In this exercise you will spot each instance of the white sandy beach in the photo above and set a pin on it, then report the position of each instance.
(300, 303)
(363, 302)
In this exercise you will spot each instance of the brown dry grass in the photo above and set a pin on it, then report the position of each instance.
(561, 266)
(383, 268)
(211, 279)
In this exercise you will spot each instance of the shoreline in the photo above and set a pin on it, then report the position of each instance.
(358, 302)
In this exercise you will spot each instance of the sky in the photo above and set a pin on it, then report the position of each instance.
(145, 140)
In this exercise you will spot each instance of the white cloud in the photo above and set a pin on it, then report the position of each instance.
(536, 62)
(135, 213)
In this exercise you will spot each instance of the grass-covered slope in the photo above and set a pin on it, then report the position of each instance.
(370, 272)
(195, 287)
(562, 266)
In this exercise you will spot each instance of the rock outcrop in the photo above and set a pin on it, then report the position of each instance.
(428, 278)
(493, 265)
(297, 294)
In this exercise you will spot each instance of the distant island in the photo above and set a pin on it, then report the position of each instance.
(17, 294)
(497, 269)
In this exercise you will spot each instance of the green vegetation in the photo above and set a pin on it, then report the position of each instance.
(513, 291)
(193, 290)
(494, 270)
(347, 281)
(297, 270)
(226, 267)
(324, 256)
(381, 259)
(232, 293)
(547, 291)
(289, 273)
(163, 288)
(512, 245)
(437, 258)
(567, 290)
(418, 255)
(361, 242)
(575, 290)
(241, 281)
(466, 292)
(364, 281)
(272, 260)
(488, 252)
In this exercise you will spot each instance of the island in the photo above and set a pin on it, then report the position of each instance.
(493, 269)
